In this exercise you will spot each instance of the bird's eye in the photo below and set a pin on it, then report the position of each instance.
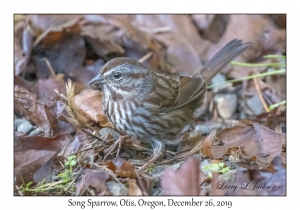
(117, 75)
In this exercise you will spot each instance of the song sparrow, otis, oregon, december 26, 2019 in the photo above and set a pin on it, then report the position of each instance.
(153, 106)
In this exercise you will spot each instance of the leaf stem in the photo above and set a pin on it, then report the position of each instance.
(249, 77)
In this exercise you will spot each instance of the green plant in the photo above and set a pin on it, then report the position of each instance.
(215, 167)
(68, 173)
(63, 184)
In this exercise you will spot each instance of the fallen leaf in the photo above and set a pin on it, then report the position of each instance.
(25, 102)
(89, 102)
(46, 88)
(55, 143)
(94, 178)
(252, 141)
(183, 181)
(124, 168)
(182, 44)
(102, 39)
(28, 162)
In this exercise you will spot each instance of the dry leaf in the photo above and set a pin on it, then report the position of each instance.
(253, 141)
(183, 181)
(25, 102)
(94, 178)
(28, 162)
(89, 102)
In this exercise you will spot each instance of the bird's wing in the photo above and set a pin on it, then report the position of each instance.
(172, 92)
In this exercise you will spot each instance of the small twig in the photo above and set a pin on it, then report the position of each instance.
(118, 144)
(109, 171)
(260, 95)
(96, 137)
(19, 191)
(273, 106)
(145, 57)
(156, 30)
(256, 64)
(275, 56)
(50, 67)
(249, 77)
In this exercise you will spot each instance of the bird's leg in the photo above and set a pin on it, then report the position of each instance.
(118, 144)
(158, 152)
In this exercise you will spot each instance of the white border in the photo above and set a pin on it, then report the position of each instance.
(154, 6)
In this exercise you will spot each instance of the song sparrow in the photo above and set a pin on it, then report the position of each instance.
(154, 106)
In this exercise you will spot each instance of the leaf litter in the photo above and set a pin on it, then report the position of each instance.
(66, 156)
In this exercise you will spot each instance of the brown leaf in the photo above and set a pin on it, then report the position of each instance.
(58, 42)
(133, 188)
(207, 143)
(53, 27)
(28, 162)
(134, 34)
(89, 102)
(46, 88)
(55, 143)
(264, 35)
(179, 25)
(124, 168)
(102, 39)
(74, 145)
(110, 165)
(253, 141)
(183, 181)
(183, 45)
(25, 102)
(94, 178)
(20, 82)
(211, 26)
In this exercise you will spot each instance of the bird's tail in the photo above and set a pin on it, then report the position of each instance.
(228, 53)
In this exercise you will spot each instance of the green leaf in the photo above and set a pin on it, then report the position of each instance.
(224, 170)
(221, 164)
(73, 162)
(28, 184)
(71, 157)
(62, 175)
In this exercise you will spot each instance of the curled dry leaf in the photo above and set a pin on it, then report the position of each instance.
(255, 141)
(55, 28)
(89, 102)
(123, 168)
(183, 181)
(126, 170)
(207, 143)
(25, 102)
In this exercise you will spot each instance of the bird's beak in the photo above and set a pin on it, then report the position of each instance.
(97, 82)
